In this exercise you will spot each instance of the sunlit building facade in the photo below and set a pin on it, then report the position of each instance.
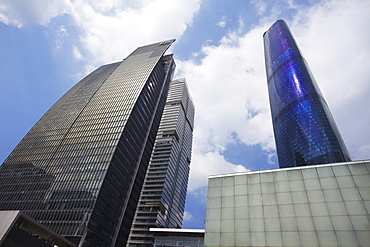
(305, 131)
(162, 199)
(80, 169)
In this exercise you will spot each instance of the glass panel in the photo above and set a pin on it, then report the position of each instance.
(291, 239)
(213, 225)
(241, 239)
(256, 225)
(241, 212)
(241, 201)
(295, 175)
(268, 187)
(312, 184)
(274, 239)
(288, 224)
(254, 189)
(345, 182)
(332, 195)
(323, 224)
(297, 185)
(281, 175)
(284, 198)
(286, 210)
(309, 173)
(227, 201)
(213, 213)
(350, 194)
(214, 182)
(300, 197)
(272, 225)
(267, 177)
(214, 192)
(258, 239)
(214, 202)
(315, 196)
(228, 181)
(227, 239)
(319, 209)
(329, 183)
(365, 193)
(212, 239)
(358, 169)
(269, 199)
(341, 170)
(327, 238)
(282, 186)
(308, 239)
(325, 172)
(348, 238)
(362, 180)
(253, 178)
(241, 225)
(240, 179)
(355, 208)
(227, 225)
(364, 238)
(255, 212)
(305, 224)
(337, 208)
(241, 189)
(254, 200)
(302, 210)
(341, 223)
(227, 213)
(270, 211)
(367, 206)
(227, 190)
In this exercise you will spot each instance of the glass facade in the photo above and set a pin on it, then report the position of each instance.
(80, 169)
(319, 205)
(165, 237)
(162, 198)
(304, 129)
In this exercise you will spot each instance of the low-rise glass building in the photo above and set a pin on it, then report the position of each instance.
(319, 205)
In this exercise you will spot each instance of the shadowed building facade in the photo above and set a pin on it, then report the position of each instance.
(79, 171)
(305, 131)
(162, 199)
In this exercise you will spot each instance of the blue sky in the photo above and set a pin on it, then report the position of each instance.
(48, 46)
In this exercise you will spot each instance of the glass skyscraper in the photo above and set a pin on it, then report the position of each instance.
(162, 199)
(305, 131)
(80, 169)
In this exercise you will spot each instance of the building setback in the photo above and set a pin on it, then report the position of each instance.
(162, 199)
(79, 171)
(305, 131)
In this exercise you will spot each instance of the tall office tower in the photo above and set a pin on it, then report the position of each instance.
(162, 199)
(305, 131)
(80, 169)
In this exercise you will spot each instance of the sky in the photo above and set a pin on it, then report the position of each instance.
(48, 46)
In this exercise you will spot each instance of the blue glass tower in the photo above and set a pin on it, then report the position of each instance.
(304, 129)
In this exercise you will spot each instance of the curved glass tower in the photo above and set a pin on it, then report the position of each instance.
(304, 129)
(79, 171)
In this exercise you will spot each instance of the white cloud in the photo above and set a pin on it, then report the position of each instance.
(125, 27)
(31, 12)
(187, 216)
(222, 22)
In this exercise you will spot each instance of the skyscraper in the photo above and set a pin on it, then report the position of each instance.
(162, 199)
(80, 169)
(305, 131)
